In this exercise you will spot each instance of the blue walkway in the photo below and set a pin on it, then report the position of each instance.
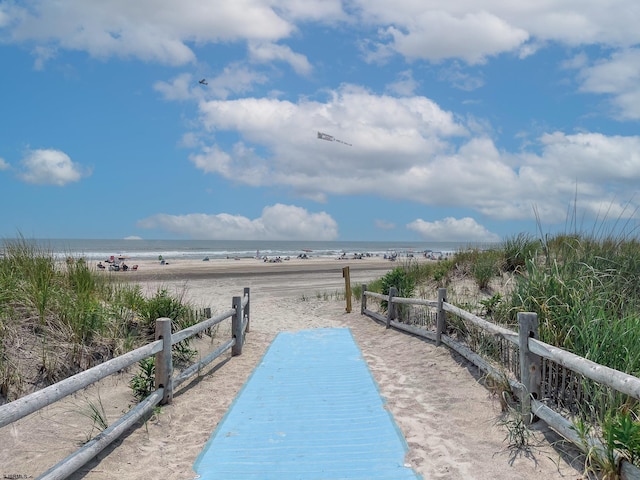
(310, 410)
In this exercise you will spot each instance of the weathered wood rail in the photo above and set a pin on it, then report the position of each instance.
(165, 382)
(531, 353)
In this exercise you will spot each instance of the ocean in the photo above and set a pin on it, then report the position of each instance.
(95, 249)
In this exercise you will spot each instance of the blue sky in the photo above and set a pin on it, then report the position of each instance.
(463, 120)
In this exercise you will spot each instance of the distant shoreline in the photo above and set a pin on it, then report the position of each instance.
(244, 267)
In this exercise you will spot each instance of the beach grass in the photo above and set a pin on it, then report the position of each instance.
(585, 290)
(72, 316)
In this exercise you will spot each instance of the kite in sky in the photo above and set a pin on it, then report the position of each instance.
(331, 138)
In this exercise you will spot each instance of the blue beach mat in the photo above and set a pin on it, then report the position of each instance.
(310, 410)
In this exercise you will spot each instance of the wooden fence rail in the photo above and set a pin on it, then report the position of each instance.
(165, 382)
(531, 352)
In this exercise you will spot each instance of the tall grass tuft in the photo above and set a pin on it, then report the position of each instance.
(517, 250)
(586, 293)
(71, 315)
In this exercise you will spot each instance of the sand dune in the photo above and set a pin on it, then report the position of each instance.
(447, 417)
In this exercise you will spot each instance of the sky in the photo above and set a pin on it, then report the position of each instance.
(440, 120)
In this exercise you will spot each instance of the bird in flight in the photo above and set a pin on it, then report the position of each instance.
(203, 82)
(331, 138)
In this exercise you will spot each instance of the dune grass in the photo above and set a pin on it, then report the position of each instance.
(585, 290)
(60, 317)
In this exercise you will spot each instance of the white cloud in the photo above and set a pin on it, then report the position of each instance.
(619, 77)
(578, 61)
(405, 86)
(4, 16)
(50, 167)
(309, 10)
(3, 164)
(164, 30)
(388, 135)
(601, 170)
(190, 140)
(179, 88)
(235, 79)
(151, 30)
(455, 76)
(437, 35)
(277, 222)
(232, 80)
(411, 149)
(591, 157)
(43, 54)
(474, 30)
(265, 52)
(452, 230)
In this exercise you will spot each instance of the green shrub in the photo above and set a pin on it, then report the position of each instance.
(405, 285)
(491, 304)
(623, 432)
(162, 305)
(399, 278)
(143, 383)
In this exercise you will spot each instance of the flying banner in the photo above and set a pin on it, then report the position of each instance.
(331, 138)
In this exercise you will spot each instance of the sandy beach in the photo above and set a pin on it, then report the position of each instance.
(449, 419)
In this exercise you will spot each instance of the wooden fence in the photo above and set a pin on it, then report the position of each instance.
(532, 355)
(165, 382)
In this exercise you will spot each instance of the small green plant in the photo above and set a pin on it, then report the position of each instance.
(98, 416)
(519, 435)
(600, 459)
(183, 353)
(490, 304)
(153, 416)
(143, 382)
(623, 432)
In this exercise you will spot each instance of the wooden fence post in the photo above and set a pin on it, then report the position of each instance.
(236, 326)
(247, 308)
(363, 300)
(163, 360)
(347, 287)
(530, 363)
(441, 319)
(391, 309)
